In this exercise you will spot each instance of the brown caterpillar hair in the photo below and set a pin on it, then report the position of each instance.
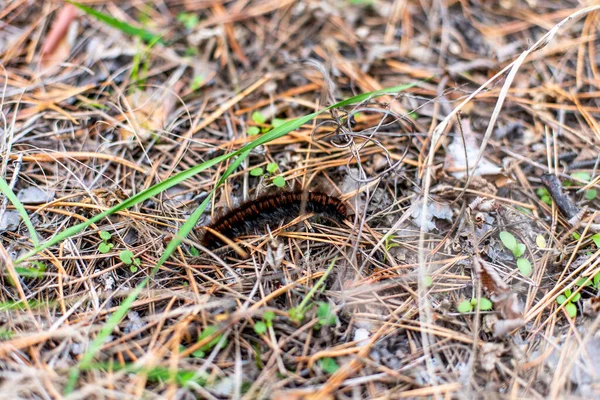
(271, 209)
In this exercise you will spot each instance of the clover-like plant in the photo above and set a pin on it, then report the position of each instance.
(517, 249)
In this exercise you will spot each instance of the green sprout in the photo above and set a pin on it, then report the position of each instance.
(267, 322)
(253, 130)
(105, 247)
(466, 306)
(325, 315)
(328, 365)
(517, 249)
(544, 195)
(570, 308)
(207, 332)
(258, 117)
(126, 257)
(188, 20)
(258, 171)
(389, 243)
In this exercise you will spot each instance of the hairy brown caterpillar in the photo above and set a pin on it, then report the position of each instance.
(271, 209)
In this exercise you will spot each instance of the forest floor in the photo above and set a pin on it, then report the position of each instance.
(457, 140)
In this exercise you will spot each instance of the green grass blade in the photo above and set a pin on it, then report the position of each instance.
(118, 24)
(5, 189)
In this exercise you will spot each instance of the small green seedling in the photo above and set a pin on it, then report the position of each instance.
(389, 243)
(258, 117)
(595, 281)
(253, 130)
(466, 306)
(544, 195)
(271, 168)
(207, 332)
(267, 322)
(188, 20)
(570, 308)
(258, 171)
(325, 315)
(328, 365)
(105, 247)
(517, 249)
(296, 314)
(511, 243)
(279, 181)
(277, 122)
(584, 177)
(197, 83)
(126, 257)
(596, 239)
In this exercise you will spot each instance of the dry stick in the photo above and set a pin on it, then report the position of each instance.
(76, 155)
(564, 203)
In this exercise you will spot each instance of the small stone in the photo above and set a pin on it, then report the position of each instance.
(34, 195)
(10, 221)
(362, 336)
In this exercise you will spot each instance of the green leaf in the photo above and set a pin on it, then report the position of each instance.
(105, 247)
(540, 240)
(133, 269)
(568, 292)
(582, 176)
(591, 194)
(428, 281)
(485, 304)
(279, 181)
(272, 167)
(194, 252)
(542, 192)
(269, 316)
(571, 309)
(126, 256)
(118, 24)
(296, 314)
(277, 122)
(596, 279)
(207, 332)
(561, 299)
(197, 82)
(509, 241)
(577, 236)
(106, 236)
(258, 171)
(464, 307)
(258, 117)
(325, 314)
(136, 261)
(525, 267)
(188, 20)
(519, 250)
(583, 282)
(547, 199)
(576, 297)
(328, 365)
(260, 327)
(596, 239)
(253, 130)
